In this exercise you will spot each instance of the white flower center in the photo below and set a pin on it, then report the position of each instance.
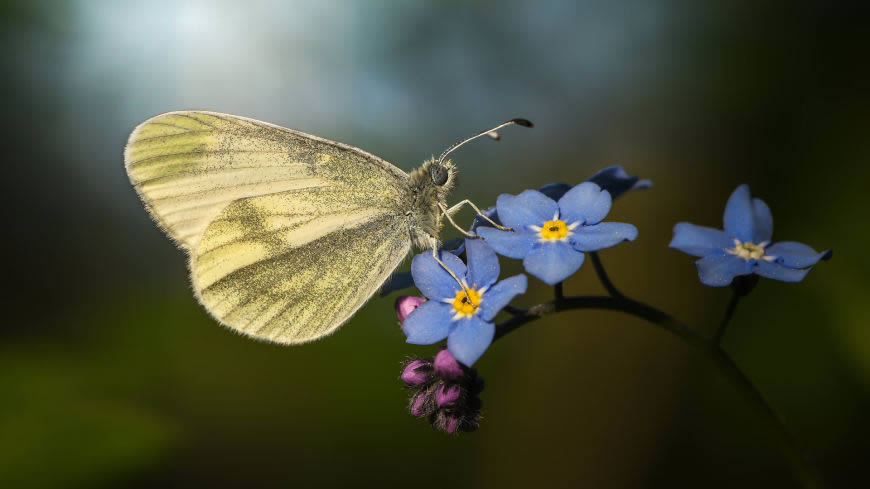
(750, 251)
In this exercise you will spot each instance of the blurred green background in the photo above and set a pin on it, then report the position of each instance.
(111, 375)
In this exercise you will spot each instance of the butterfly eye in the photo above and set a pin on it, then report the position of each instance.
(439, 175)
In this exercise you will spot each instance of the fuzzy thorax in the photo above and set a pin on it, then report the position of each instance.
(431, 183)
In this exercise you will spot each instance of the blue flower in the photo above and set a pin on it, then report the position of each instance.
(614, 179)
(744, 247)
(551, 236)
(467, 326)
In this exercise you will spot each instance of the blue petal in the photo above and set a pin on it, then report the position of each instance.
(739, 218)
(585, 203)
(482, 263)
(403, 280)
(763, 221)
(479, 222)
(603, 235)
(718, 271)
(528, 208)
(553, 262)
(555, 191)
(429, 323)
(512, 244)
(455, 246)
(469, 339)
(700, 240)
(432, 280)
(501, 294)
(397, 281)
(615, 180)
(779, 272)
(796, 255)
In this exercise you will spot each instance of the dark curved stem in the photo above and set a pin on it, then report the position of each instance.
(602, 275)
(794, 451)
(558, 291)
(516, 311)
(622, 304)
(708, 347)
(729, 312)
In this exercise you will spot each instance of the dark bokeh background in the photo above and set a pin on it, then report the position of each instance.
(111, 375)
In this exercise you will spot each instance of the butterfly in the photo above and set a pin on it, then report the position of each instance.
(287, 234)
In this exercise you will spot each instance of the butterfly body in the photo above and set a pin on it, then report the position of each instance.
(288, 234)
(425, 219)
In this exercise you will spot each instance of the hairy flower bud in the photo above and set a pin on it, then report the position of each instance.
(444, 392)
(422, 403)
(417, 372)
(447, 422)
(447, 394)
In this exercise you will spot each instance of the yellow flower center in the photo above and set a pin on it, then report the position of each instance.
(747, 250)
(465, 307)
(554, 230)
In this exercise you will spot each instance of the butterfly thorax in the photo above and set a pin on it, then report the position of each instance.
(431, 183)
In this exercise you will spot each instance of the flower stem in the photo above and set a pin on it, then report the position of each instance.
(602, 275)
(707, 347)
(794, 451)
(558, 291)
(729, 311)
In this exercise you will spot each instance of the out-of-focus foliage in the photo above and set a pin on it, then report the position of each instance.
(112, 376)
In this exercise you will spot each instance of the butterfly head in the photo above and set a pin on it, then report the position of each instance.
(435, 178)
(443, 175)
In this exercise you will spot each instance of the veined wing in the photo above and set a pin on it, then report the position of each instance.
(294, 266)
(187, 166)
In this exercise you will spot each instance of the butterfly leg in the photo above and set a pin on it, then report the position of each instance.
(455, 209)
(461, 284)
(446, 213)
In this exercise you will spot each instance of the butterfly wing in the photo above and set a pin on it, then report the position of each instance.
(294, 266)
(188, 165)
(288, 234)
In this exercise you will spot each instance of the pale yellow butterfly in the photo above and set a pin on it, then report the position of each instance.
(288, 234)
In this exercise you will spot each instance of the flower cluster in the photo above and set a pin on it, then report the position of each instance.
(444, 391)
(550, 230)
(613, 179)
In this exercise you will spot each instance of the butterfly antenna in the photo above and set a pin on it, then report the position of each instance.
(489, 132)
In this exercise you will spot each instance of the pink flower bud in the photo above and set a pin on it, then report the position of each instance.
(421, 404)
(406, 304)
(417, 372)
(446, 366)
(447, 422)
(447, 395)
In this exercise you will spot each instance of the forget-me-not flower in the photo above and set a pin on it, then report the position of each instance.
(744, 246)
(467, 324)
(614, 179)
(551, 237)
